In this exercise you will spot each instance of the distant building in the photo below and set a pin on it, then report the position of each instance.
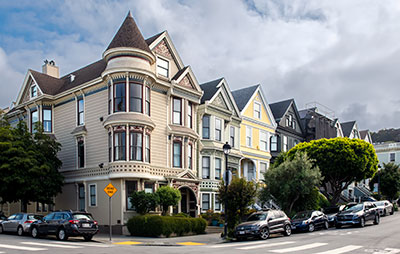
(388, 152)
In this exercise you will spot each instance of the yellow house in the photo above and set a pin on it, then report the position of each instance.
(257, 128)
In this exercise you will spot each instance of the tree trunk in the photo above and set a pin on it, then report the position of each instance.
(291, 204)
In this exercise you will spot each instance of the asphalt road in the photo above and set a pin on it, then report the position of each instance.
(375, 239)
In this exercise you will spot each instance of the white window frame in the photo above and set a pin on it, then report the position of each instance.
(209, 167)
(220, 130)
(285, 145)
(257, 114)
(249, 130)
(30, 91)
(230, 135)
(263, 141)
(215, 168)
(209, 200)
(162, 60)
(215, 202)
(261, 174)
(90, 194)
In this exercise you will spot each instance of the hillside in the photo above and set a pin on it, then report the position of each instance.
(386, 135)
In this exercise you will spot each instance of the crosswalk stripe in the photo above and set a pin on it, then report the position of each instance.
(101, 245)
(341, 250)
(298, 248)
(263, 246)
(6, 246)
(52, 245)
(225, 245)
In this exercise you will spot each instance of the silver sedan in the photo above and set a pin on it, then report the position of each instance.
(18, 223)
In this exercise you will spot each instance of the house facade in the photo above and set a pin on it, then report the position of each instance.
(388, 152)
(219, 122)
(129, 119)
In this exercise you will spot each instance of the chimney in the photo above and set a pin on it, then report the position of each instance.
(50, 68)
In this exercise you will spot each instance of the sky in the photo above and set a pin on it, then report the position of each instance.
(343, 54)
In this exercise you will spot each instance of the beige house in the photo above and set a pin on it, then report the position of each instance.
(129, 119)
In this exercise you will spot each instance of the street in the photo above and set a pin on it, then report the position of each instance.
(382, 238)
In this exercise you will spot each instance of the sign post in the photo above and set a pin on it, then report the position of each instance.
(110, 190)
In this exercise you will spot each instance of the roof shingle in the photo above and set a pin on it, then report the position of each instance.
(279, 108)
(242, 96)
(209, 89)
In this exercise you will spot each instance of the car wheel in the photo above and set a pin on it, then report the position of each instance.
(376, 220)
(326, 225)
(88, 237)
(362, 222)
(311, 227)
(1, 229)
(384, 212)
(392, 212)
(61, 235)
(20, 231)
(264, 233)
(34, 232)
(288, 230)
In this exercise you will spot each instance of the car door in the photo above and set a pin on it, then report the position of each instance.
(369, 212)
(6, 223)
(53, 224)
(15, 222)
(43, 226)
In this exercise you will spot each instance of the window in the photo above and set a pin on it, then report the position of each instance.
(205, 201)
(136, 145)
(33, 91)
(92, 194)
(162, 67)
(206, 127)
(263, 141)
(120, 97)
(149, 187)
(392, 157)
(130, 187)
(147, 100)
(38, 207)
(285, 144)
(206, 167)
(119, 146)
(248, 136)
(274, 143)
(177, 154)
(177, 108)
(147, 147)
(81, 153)
(109, 147)
(232, 136)
(190, 156)
(217, 168)
(257, 110)
(109, 99)
(135, 97)
(217, 203)
(47, 125)
(81, 119)
(190, 115)
(34, 120)
(81, 196)
(218, 129)
(250, 171)
(263, 169)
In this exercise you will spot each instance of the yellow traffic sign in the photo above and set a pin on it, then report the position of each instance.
(110, 190)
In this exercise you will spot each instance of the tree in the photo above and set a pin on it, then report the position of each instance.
(168, 197)
(341, 161)
(28, 165)
(293, 183)
(144, 202)
(389, 181)
(238, 197)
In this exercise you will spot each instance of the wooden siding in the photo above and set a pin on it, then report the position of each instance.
(158, 113)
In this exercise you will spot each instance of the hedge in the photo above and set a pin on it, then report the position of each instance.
(155, 225)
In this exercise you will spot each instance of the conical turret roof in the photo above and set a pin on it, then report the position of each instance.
(129, 35)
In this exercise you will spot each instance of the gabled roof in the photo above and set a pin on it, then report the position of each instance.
(129, 36)
(153, 38)
(242, 96)
(363, 134)
(179, 73)
(48, 84)
(280, 108)
(209, 89)
(347, 127)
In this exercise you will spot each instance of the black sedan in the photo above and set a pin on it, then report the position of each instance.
(309, 221)
(357, 214)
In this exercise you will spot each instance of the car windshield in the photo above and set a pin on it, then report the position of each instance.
(302, 215)
(257, 216)
(81, 216)
(379, 203)
(353, 208)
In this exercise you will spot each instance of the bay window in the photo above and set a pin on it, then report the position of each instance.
(218, 128)
(177, 154)
(232, 136)
(206, 167)
(135, 97)
(147, 100)
(136, 146)
(190, 115)
(206, 126)
(120, 146)
(119, 97)
(147, 147)
(177, 111)
(263, 141)
(190, 156)
(217, 168)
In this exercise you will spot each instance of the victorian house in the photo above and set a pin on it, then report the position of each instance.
(257, 132)
(129, 119)
(220, 123)
(350, 129)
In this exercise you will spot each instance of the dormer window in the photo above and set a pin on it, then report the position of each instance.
(33, 91)
(162, 67)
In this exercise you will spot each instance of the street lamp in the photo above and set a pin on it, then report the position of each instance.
(227, 150)
(379, 180)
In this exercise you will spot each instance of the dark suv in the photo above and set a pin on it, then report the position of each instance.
(262, 224)
(357, 214)
(64, 224)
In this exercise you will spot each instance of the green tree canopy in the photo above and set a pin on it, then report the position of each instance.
(144, 202)
(389, 181)
(168, 197)
(341, 161)
(293, 184)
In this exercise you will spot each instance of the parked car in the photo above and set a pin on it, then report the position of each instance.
(309, 221)
(2, 217)
(19, 223)
(331, 212)
(262, 224)
(357, 214)
(384, 207)
(64, 224)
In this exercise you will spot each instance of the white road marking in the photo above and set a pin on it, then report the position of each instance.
(225, 245)
(6, 246)
(388, 251)
(341, 250)
(52, 245)
(298, 248)
(1, 252)
(266, 245)
(101, 245)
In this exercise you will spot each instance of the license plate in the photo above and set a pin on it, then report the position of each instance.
(85, 225)
(241, 232)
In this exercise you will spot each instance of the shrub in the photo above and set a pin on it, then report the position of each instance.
(168, 197)
(154, 225)
(144, 202)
